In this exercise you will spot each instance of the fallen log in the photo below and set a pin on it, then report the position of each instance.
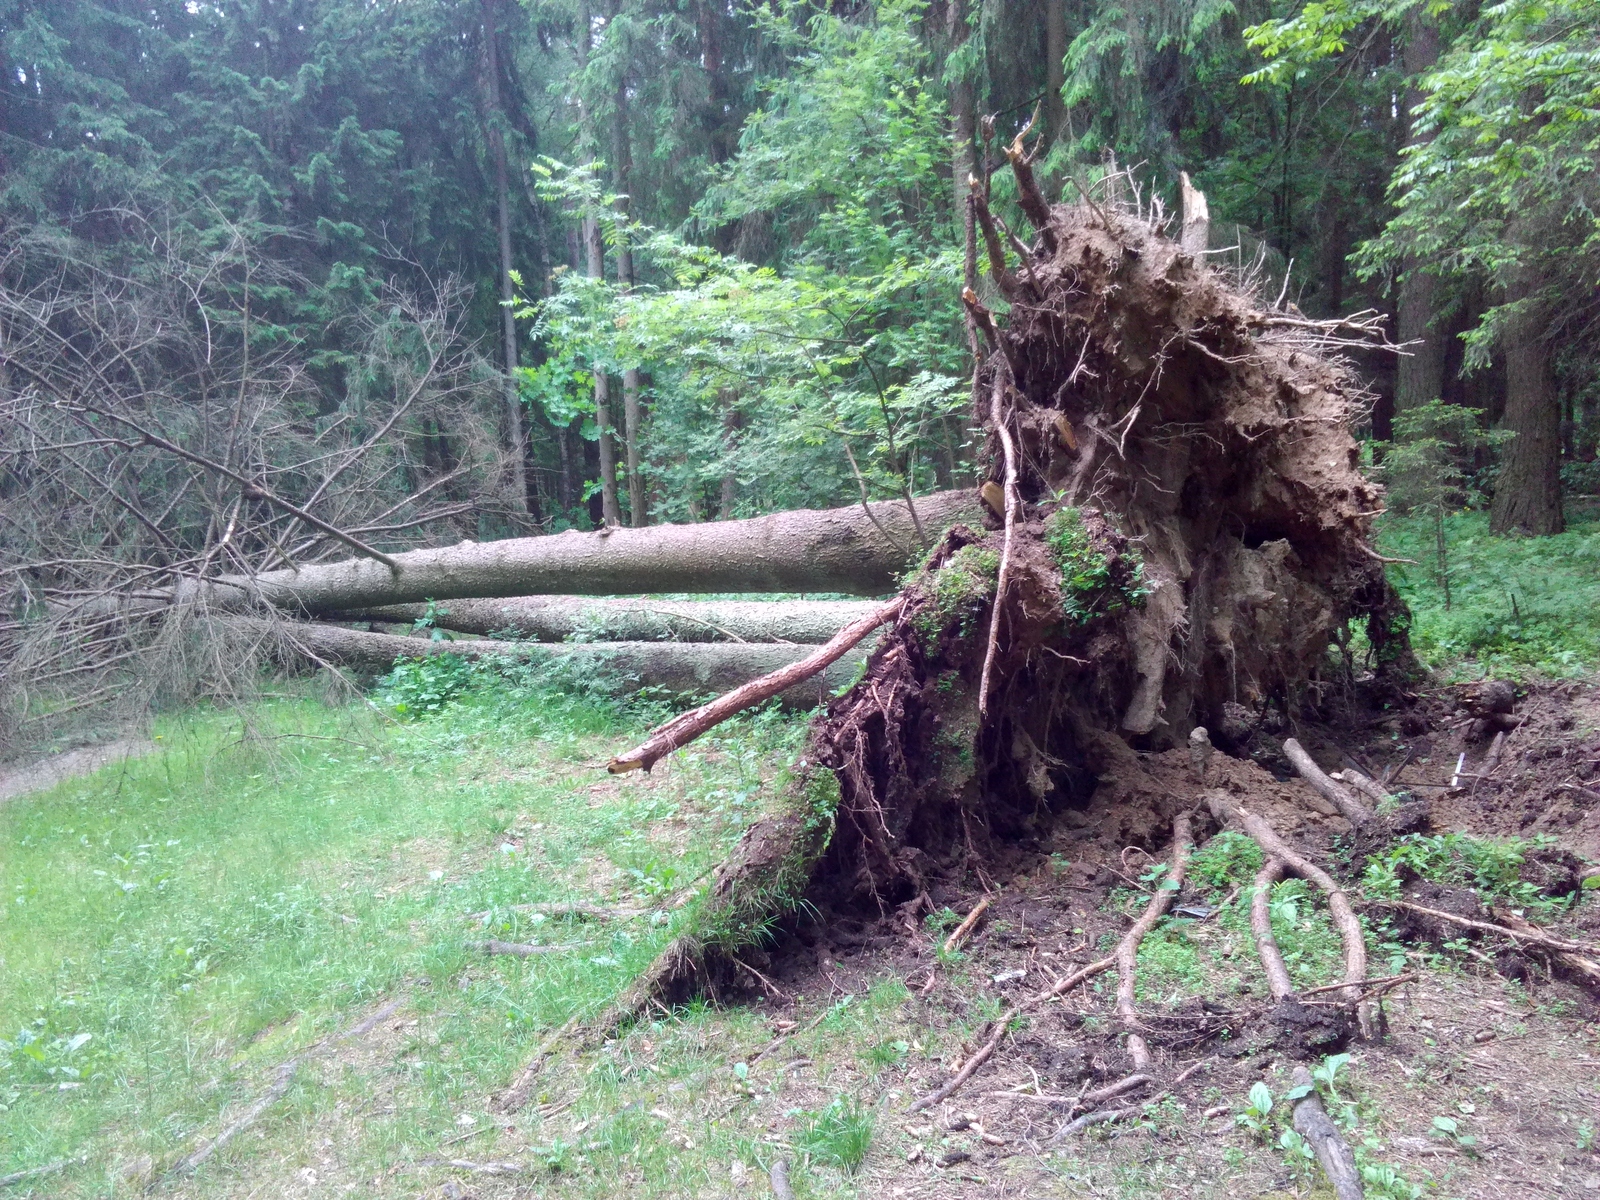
(557, 618)
(679, 667)
(861, 550)
(1352, 809)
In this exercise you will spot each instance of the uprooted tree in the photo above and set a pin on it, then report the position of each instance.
(1177, 532)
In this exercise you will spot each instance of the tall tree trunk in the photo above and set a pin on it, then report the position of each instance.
(963, 122)
(595, 251)
(1419, 375)
(632, 414)
(860, 550)
(494, 131)
(1055, 70)
(732, 422)
(1527, 495)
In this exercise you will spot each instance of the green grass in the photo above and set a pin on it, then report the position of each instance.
(1519, 606)
(173, 929)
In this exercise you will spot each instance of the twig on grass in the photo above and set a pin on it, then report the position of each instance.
(959, 935)
(1127, 954)
(40, 1172)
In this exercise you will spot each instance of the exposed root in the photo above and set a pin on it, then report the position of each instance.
(1352, 809)
(1261, 928)
(1106, 1116)
(960, 932)
(516, 1097)
(1122, 958)
(1128, 948)
(1327, 1143)
(1339, 908)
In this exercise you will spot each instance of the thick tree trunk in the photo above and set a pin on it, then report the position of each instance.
(859, 550)
(679, 667)
(1055, 72)
(516, 428)
(557, 618)
(1419, 375)
(963, 121)
(1527, 495)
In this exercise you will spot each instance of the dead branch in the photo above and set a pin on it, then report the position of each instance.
(681, 730)
(1367, 787)
(1523, 933)
(1352, 809)
(1327, 1143)
(54, 1168)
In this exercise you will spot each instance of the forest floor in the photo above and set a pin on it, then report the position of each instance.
(283, 905)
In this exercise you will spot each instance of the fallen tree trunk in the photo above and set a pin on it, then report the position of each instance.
(861, 550)
(679, 667)
(557, 618)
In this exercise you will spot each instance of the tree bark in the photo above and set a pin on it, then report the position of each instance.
(963, 123)
(516, 428)
(632, 414)
(679, 667)
(856, 550)
(1527, 495)
(1419, 375)
(1055, 71)
(594, 252)
(557, 618)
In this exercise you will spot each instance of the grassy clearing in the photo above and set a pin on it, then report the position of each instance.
(175, 928)
(1519, 606)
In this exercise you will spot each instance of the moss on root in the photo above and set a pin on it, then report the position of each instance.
(959, 590)
(1096, 580)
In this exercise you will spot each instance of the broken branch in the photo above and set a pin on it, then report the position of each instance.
(1312, 1122)
(681, 730)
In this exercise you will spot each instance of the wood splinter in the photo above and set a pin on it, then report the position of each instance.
(963, 930)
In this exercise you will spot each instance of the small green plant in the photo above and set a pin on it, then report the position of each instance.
(838, 1135)
(1093, 582)
(420, 687)
(1257, 1114)
(1492, 865)
(1585, 1136)
(942, 920)
(1228, 860)
(1448, 1129)
(1383, 1182)
(1427, 467)
(887, 1054)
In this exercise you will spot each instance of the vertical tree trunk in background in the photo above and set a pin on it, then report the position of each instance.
(631, 412)
(1419, 375)
(732, 422)
(594, 249)
(594, 265)
(1055, 71)
(963, 125)
(494, 132)
(1527, 495)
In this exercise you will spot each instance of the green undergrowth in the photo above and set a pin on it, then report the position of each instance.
(1090, 584)
(174, 929)
(1214, 954)
(1519, 606)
